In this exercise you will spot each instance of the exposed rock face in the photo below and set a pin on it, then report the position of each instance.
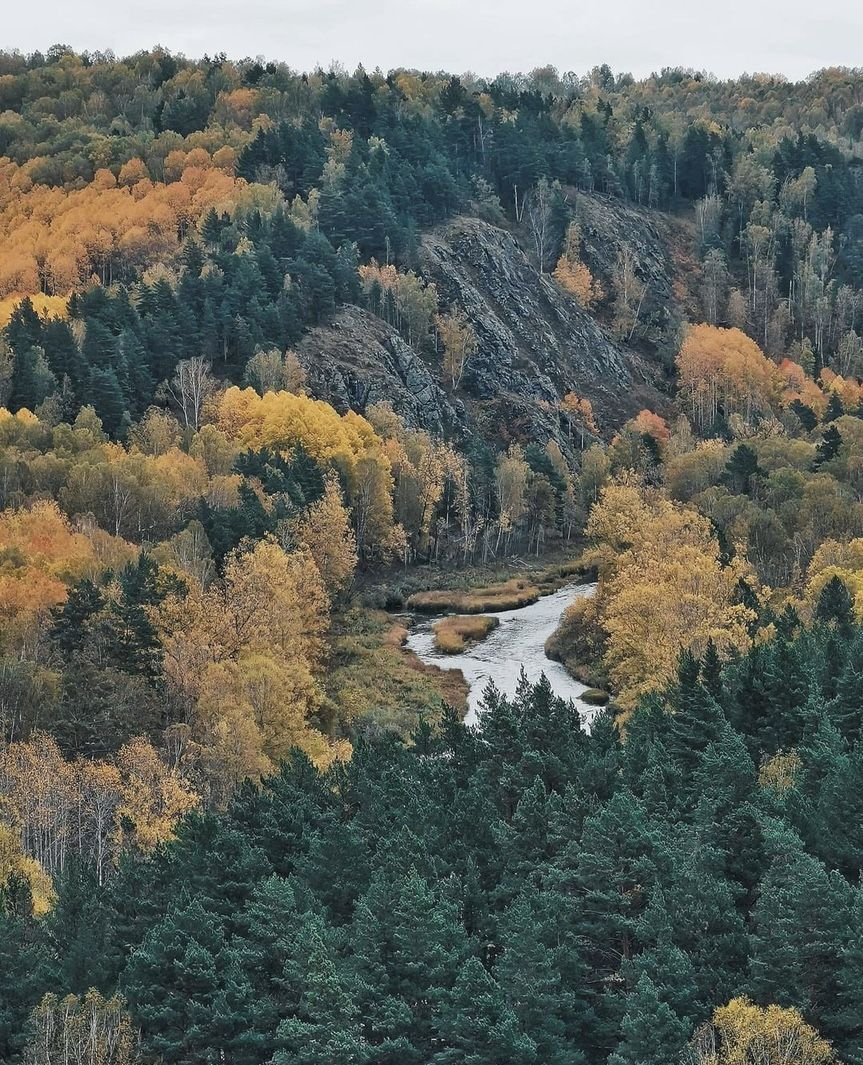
(358, 360)
(609, 225)
(535, 344)
(535, 341)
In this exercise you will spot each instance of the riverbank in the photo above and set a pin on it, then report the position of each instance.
(372, 682)
(516, 645)
(391, 589)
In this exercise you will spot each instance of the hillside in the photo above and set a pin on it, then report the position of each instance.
(288, 358)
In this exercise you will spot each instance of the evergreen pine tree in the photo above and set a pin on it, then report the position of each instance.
(326, 1026)
(846, 709)
(652, 1033)
(829, 447)
(477, 1026)
(187, 994)
(835, 605)
(409, 947)
(107, 398)
(542, 975)
(25, 967)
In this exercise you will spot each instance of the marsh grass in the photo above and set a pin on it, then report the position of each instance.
(595, 697)
(454, 634)
(495, 597)
(372, 679)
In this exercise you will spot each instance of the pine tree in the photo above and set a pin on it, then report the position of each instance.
(25, 966)
(834, 408)
(187, 994)
(544, 979)
(829, 447)
(800, 925)
(845, 1027)
(32, 380)
(615, 865)
(409, 946)
(77, 930)
(478, 1027)
(25, 328)
(652, 1033)
(71, 621)
(836, 605)
(846, 709)
(711, 671)
(698, 719)
(326, 1025)
(741, 469)
(107, 398)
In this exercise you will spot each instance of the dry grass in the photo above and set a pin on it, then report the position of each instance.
(373, 680)
(556, 575)
(453, 634)
(506, 596)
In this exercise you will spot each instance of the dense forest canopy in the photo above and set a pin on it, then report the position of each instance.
(238, 822)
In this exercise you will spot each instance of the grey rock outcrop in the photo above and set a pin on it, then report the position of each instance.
(535, 344)
(357, 360)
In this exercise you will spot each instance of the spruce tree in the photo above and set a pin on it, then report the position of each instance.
(614, 867)
(829, 447)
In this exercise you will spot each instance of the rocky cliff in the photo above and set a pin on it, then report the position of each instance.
(661, 248)
(357, 360)
(535, 343)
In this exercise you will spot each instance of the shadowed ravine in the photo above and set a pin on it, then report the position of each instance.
(518, 643)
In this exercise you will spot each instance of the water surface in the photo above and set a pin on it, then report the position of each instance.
(517, 643)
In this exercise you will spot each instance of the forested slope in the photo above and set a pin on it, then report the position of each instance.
(279, 348)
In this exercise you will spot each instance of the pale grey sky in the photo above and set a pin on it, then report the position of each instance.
(792, 37)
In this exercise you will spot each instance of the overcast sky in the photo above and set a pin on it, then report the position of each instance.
(725, 37)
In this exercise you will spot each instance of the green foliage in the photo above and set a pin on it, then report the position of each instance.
(524, 893)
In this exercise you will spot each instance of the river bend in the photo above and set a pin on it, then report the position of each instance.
(517, 643)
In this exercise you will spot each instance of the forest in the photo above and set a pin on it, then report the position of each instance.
(251, 413)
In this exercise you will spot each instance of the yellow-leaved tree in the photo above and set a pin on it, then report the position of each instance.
(14, 862)
(244, 655)
(422, 465)
(325, 532)
(82, 1030)
(283, 421)
(459, 343)
(41, 555)
(836, 559)
(742, 1033)
(573, 275)
(663, 587)
(724, 369)
(53, 811)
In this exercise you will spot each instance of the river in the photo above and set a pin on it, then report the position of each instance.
(517, 643)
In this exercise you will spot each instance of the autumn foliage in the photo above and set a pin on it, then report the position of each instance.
(743, 1033)
(663, 588)
(723, 369)
(54, 240)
